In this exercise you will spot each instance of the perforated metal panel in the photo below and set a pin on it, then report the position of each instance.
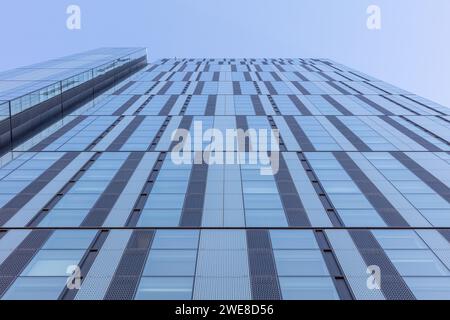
(353, 265)
(222, 288)
(263, 272)
(19, 258)
(222, 266)
(127, 276)
(392, 284)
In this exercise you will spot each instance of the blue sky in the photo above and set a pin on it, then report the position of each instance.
(411, 50)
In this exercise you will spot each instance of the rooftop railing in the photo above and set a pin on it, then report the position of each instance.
(21, 116)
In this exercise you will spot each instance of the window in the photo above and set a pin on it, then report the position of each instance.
(293, 239)
(318, 288)
(300, 263)
(417, 263)
(159, 218)
(70, 239)
(176, 239)
(171, 263)
(265, 218)
(30, 288)
(399, 239)
(428, 288)
(165, 288)
(52, 263)
(64, 218)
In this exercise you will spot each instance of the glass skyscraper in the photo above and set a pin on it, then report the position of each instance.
(358, 208)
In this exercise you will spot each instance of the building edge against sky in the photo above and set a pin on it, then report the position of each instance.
(359, 208)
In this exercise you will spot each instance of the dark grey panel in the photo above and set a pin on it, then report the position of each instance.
(300, 106)
(423, 104)
(192, 212)
(199, 88)
(292, 204)
(411, 134)
(34, 222)
(270, 87)
(21, 199)
(445, 233)
(257, 106)
(275, 76)
(263, 271)
(374, 105)
(159, 76)
(376, 87)
(99, 212)
(339, 107)
(187, 76)
(434, 183)
(302, 77)
(16, 262)
(431, 133)
(165, 110)
(86, 263)
(124, 87)
(385, 209)
(400, 105)
(126, 105)
(353, 138)
(299, 135)
(300, 88)
(237, 88)
(273, 126)
(392, 284)
(211, 105)
(165, 87)
(126, 279)
(185, 124)
(123, 137)
(241, 123)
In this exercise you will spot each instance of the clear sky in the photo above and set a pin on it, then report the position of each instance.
(412, 49)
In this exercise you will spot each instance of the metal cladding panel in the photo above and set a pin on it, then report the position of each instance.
(102, 271)
(10, 241)
(353, 265)
(126, 279)
(393, 285)
(263, 271)
(222, 266)
(222, 288)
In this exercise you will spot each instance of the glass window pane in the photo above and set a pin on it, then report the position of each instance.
(165, 288)
(308, 288)
(52, 263)
(171, 263)
(32, 288)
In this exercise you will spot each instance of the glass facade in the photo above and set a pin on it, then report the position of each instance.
(363, 184)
